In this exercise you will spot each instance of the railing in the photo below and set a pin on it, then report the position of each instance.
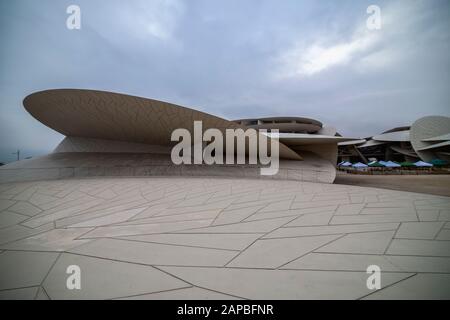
(395, 171)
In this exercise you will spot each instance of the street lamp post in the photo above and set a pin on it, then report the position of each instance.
(18, 154)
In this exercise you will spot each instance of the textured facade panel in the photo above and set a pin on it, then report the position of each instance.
(113, 116)
(97, 164)
(111, 134)
(284, 124)
(393, 136)
(76, 144)
(428, 127)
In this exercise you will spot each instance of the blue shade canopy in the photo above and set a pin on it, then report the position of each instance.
(391, 164)
(423, 164)
(359, 165)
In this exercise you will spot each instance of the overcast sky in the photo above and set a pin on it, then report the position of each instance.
(231, 58)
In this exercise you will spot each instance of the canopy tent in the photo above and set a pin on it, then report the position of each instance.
(391, 164)
(422, 164)
(375, 164)
(359, 165)
(407, 164)
(345, 164)
(439, 162)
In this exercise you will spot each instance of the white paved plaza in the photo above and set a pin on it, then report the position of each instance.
(220, 238)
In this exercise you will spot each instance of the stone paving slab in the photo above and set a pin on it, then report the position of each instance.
(281, 284)
(220, 238)
(420, 286)
(274, 253)
(107, 279)
(20, 269)
(193, 293)
(342, 262)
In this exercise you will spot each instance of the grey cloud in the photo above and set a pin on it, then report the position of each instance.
(221, 57)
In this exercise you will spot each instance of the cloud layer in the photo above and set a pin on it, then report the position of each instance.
(231, 58)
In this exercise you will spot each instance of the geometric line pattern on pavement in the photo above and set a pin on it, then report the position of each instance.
(220, 238)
